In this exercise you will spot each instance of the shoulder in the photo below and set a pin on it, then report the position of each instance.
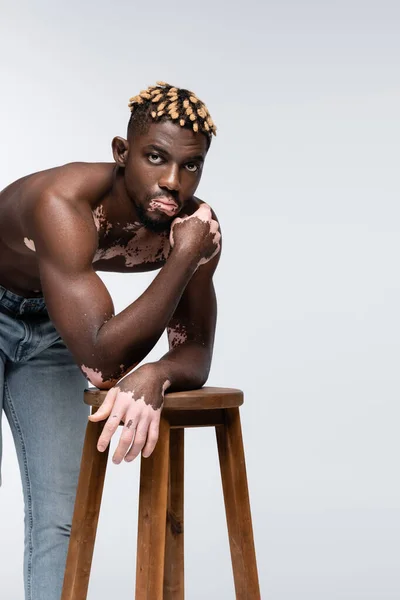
(75, 181)
(62, 231)
(60, 223)
(68, 190)
(195, 203)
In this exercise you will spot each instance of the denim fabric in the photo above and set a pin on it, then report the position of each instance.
(41, 392)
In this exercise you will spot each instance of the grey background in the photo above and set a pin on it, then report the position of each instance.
(303, 176)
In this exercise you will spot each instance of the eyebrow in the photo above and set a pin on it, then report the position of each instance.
(198, 157)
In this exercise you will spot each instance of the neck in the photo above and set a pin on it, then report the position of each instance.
(118, 206)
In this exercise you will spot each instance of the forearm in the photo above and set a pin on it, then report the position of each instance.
(128, 337)
(186, 366)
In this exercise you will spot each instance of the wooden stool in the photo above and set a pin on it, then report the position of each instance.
(159, 567)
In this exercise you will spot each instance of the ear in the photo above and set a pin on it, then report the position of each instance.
(120, 148)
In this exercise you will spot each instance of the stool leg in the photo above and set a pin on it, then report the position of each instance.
(86, 515)
(152, 519)
(237, 506)
(174, 585)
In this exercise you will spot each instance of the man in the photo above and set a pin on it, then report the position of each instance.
(57, 322)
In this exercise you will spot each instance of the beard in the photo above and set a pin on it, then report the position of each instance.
(157, 224)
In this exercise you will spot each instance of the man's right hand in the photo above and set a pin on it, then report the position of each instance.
(197, 234)
(137, 401)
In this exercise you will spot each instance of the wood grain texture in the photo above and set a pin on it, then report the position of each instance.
(152, 519)
(174, 584)
(86, 515)
(237, 506)
(206, 398)
(193, 418)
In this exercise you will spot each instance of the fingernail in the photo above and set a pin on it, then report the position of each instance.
(100, 448)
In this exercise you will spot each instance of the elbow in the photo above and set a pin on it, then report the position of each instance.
(203, 380)
(96, 378)
(199, 377)
(107, 376)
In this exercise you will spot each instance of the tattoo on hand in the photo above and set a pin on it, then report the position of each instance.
(129, 424)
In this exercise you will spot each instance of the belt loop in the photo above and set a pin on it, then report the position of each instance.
(22, 306)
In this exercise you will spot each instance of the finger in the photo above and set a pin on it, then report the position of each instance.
(109, 429)
(127, 435)
(139, 441)
(171, 234)
(106, 407)
(152, 437)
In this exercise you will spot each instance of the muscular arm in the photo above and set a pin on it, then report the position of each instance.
(104, 345)
(138, 398)
(191, 333)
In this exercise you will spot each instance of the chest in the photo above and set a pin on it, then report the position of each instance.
(136, 249)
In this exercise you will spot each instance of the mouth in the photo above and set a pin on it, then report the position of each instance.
(165, 205)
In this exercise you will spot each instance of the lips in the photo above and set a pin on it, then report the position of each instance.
(164, 204)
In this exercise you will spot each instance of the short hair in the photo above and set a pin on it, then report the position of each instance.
(164, 101)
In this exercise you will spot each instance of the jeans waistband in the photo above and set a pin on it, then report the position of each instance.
(20, 305)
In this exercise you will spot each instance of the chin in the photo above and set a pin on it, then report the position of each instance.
(156, 224)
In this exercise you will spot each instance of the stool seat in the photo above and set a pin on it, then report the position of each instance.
(206, 398)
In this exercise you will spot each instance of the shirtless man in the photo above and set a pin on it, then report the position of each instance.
(57, 323)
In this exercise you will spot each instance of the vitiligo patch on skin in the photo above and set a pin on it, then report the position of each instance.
(177, 335)
(132, 226)
(162, 204)
(100, 219)
(96, 377)
(165, 386)
(30, 244)
(155, 402)
(101, 222)
(142, 248)
(135, 253)
(204, 214)
(131, 396)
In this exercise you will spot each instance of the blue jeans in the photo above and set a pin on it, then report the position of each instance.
(41, 392)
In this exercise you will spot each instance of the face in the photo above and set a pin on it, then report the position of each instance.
(163, 168)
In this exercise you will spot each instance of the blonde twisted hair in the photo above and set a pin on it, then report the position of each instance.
(163, 100)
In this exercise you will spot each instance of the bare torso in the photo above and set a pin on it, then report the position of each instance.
(123, 244)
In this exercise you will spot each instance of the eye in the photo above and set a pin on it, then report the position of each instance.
(154, 158)
(192, 167)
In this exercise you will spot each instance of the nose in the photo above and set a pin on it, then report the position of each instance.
(170, 178)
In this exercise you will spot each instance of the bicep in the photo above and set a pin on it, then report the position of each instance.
(76, 298)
